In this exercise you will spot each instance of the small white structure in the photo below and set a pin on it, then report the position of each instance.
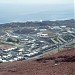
(41, 34)
(43, 29)
(4, 61)
(63, 26)
(21, 50)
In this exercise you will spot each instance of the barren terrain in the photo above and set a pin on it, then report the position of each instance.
(62, 63)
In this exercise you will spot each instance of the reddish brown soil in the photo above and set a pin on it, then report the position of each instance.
(62, 63)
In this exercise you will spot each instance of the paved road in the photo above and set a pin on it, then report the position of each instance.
(56, 49)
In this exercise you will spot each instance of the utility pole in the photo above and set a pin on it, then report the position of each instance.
(56, 38)
(58, 42)
(58, 45)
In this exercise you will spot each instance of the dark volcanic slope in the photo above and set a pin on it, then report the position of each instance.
(62, 63)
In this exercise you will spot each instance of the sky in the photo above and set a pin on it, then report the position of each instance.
(37, 1)
(23, 10)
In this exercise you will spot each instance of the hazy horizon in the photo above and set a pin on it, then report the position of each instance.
(35, 10)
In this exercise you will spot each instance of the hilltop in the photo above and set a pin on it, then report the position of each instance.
(61, 63)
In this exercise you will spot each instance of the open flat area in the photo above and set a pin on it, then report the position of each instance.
(62, 63)
(6, 46)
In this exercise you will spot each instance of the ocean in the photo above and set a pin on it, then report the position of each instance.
(23, 13)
